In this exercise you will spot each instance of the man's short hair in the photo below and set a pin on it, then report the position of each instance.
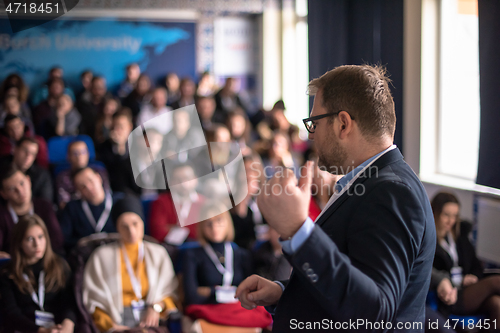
(56, 80)
(74, 142)
(9, 118)
(124, 112)
(78, 171)
(26, 139)
(8, 170)
(363, 92)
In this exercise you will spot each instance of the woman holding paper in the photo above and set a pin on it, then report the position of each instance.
(35, 288)
(212, 272)
(129, 284)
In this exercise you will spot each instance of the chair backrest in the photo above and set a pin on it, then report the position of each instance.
(58, 147)
(77, 260)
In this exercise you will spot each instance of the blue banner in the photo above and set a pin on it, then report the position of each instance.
(105, 46)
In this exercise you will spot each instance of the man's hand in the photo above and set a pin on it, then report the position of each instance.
(255, 290)
(151, 319)
(4, 255)
(469, 279)
(446, 292)
(284, 205)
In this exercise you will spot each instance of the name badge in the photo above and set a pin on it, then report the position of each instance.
(44, 319)
(137, 308)
(225, 294)
(456, 276)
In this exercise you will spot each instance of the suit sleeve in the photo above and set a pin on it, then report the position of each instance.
(385, 234)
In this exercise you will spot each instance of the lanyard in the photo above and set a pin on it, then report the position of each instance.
(451, 248)
(14, 216)
(136, 283)
(257, 216)
(104, 215)
(227, 272)
(337, 195)
(40, 298)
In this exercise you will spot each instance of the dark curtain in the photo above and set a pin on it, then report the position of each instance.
(488, 172)
(353, 32)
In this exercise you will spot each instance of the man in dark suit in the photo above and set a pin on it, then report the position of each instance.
(365, 263)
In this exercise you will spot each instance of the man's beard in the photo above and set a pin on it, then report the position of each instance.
(332, 160)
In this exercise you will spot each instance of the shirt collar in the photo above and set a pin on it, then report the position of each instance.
(342, 182)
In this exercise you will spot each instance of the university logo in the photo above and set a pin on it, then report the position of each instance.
(170, 152)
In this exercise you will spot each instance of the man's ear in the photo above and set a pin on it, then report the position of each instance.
(345, 124)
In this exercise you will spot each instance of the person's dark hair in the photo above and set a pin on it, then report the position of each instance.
(85, 72)
(54, 68)
(72, 143)
(26, 139)
(9, 118)
(280, 105)
(55, 80)
(124, 112)
(78, 171)
(53, 266)
(128, 204)
(363, 92)
(96, 78)
(14, 80)
(8, 170)
(437, 205)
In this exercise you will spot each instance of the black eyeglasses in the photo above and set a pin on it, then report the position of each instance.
(311, 126)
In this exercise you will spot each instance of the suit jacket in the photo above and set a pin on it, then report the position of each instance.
(466, 255)
(369, 257)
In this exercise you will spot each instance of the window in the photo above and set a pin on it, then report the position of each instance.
(450, 90)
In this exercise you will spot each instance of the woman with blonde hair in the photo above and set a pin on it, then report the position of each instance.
(212, 271)
(35, 288)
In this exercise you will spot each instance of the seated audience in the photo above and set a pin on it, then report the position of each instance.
(85, 96)
(172, 83)
(270, 262)
(105, 119)
(14, 85)
(227, 99)
(36, 284)
(48, 106)
(78, 157)
(205, 106)
(90, 214)
(187, 90)
(249, 225)
(279, 156)
(15, 189)
(43, 92)
(211, 273)
(114, 153)
(206, 85)
(90, 110)
(157, 107)
(456, 257)
(130, 283)
(239, 127)
(64, 119)
(12, 106)
(133, 71)
(14, 130)
(140, 96)
(24, 158)
(164, 216)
